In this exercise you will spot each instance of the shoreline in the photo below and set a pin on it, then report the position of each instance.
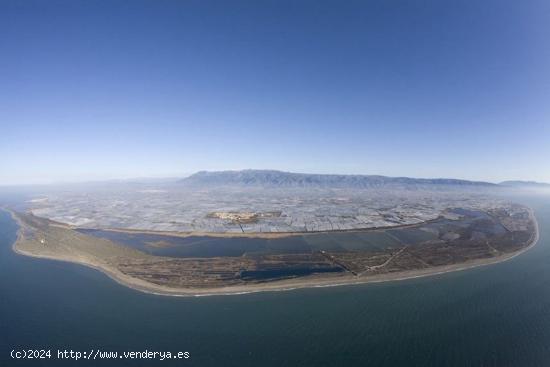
(282, 285)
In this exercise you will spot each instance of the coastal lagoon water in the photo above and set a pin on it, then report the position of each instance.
(338, 241)
(497, 315)
(210, 246)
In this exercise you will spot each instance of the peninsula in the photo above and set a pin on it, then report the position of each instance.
(183, 264)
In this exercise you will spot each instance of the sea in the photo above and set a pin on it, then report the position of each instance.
(497, 315)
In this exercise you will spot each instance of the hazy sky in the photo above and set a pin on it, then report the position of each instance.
(105, 89)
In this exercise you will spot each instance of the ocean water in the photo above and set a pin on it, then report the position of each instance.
(498, 315)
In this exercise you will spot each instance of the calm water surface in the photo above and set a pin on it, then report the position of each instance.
(497, 315)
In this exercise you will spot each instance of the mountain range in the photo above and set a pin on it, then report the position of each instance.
(273, 178)
(526, 184)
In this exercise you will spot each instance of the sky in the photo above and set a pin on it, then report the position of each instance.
(104, 89)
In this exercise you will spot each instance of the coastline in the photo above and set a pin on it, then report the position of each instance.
(282, 285)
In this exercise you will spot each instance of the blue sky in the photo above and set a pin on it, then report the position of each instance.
(116, 89)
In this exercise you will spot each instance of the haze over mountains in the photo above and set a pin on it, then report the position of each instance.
(273, 178)
(265, 178)
(526, 184)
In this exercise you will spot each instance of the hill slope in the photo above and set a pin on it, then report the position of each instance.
(272, 178)
(526, 184)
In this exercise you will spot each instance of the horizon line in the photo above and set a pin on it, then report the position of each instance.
(175, 177)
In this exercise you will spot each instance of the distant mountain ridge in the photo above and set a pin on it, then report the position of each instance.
(273, 178)
(525, 184)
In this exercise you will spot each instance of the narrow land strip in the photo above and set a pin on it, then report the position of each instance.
(39, 238)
